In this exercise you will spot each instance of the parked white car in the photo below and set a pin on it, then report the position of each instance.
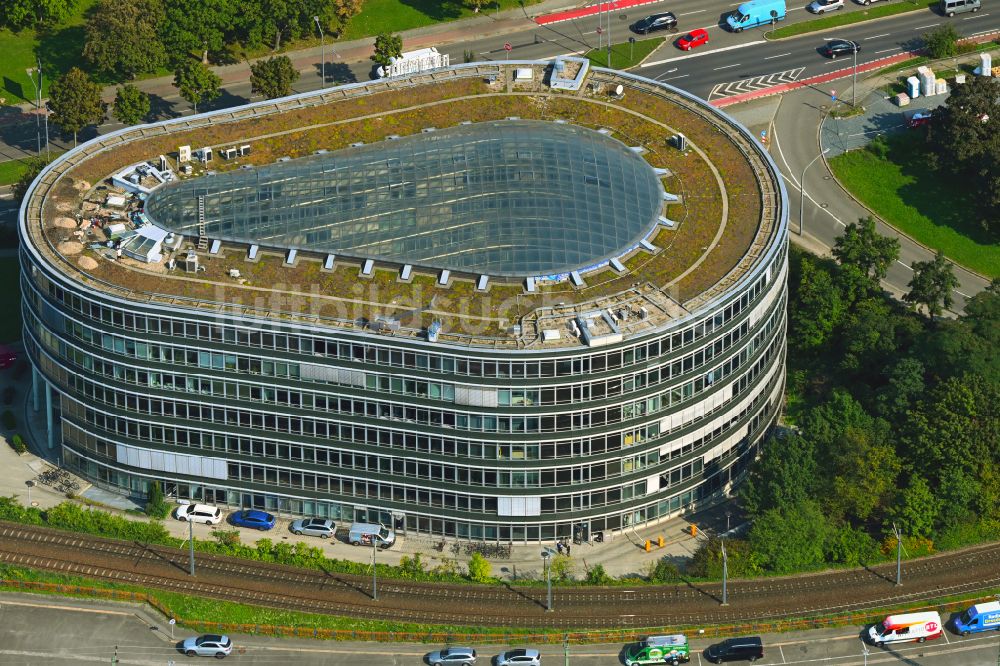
(200, 513)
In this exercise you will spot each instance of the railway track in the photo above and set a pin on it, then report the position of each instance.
(292, 588)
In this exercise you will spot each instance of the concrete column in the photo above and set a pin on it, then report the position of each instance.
(36, 389)
(49, 427)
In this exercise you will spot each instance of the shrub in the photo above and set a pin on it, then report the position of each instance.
(17, 443)
(412, 566)
(879, 147)
(8, 420)
(480, 570)
(227, 537)
(596, 575)
(664, 571)
(942, 42)
(156, 507)
(15, 512)
(561, 568)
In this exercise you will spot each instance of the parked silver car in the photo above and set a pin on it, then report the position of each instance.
(520, 657)
(823, 6)
(453, 656)
(320, 527)
(209, 645)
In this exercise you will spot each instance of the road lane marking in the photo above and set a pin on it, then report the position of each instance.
(909, 268)
(875, 37)
(98, 611)
(695, 55)
(927, 26)
(783, 660)
(725, 67)
(672, 78)
(888, 50)
(777, 56)
(974, 16)
(699, 11)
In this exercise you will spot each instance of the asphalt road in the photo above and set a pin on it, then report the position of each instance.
(36, 630)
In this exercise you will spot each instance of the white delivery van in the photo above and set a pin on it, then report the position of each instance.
(906, 627)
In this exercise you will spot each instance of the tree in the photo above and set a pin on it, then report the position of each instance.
(942, 42)
(200, 25)
(480, 570)
(786, 473)
(131, 105)
(790, 538)
(345, 10)
(156, 506)
(966, 141)
(865, 255)
(122, 38)
(75, 101)
(197, 83)
(819, 308)
(34, 167)
(19, 14)
(273, 77)
(906, 385)
(932, 284)
(916, 508)
(387, 46)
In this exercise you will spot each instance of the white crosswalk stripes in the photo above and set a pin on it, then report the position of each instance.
(755, 83)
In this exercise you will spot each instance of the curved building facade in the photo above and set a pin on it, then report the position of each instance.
(466, 304)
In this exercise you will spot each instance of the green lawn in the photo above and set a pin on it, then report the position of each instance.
(10, 302)
(59, 49)
(838, 19)
(398, 15)
(11, 170)
(933, 208)
(624, 56)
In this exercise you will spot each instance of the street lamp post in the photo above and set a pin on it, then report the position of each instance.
(725, 574)
(322, 46)
(802, 188)
(854, 83)
(38, 103)
(546, 558)
(30, 484)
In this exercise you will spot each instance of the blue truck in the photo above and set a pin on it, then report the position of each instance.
(754, 13)
(981, 617)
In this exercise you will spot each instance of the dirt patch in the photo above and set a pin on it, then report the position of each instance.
(86, 263)
(64, 223)
(70, 247)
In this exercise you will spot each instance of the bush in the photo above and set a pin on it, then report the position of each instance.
(227, 537)
(596, 575)
(70, 516)
(156, 506)
(15, 512)
(480, 571)
(8, 420)
(561, 568)
(17, 443)
(942, 42)
(664, 571)
(879, 147)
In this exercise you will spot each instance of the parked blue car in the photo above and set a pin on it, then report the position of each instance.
(258, 520)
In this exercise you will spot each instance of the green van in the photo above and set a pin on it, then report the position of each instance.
(659, 650)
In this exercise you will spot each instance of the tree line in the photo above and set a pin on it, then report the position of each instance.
(895, 420)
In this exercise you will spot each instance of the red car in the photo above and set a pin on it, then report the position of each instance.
(692, 39)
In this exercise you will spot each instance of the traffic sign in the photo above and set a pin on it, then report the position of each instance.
(833, 95)
(507, 47)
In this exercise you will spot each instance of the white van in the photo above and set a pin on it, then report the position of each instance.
(906, 627)
(952, 7)
(363, 534)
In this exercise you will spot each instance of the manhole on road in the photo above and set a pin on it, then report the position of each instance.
(824, 205)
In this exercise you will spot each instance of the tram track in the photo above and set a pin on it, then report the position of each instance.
(281, 586)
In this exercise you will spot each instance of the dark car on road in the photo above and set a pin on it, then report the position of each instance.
(258, 520)
(838, 47)
(664, 21)
(736, 649)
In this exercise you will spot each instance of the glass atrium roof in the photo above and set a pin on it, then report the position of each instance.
(507, 198)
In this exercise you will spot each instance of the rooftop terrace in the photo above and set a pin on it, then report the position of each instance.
(721, 213)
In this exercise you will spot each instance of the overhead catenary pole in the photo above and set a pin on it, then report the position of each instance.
(609, 34)
(899, 555)
(546, 557)
(191, 544)
(854, 84)
(374, 568)
(725, 573)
